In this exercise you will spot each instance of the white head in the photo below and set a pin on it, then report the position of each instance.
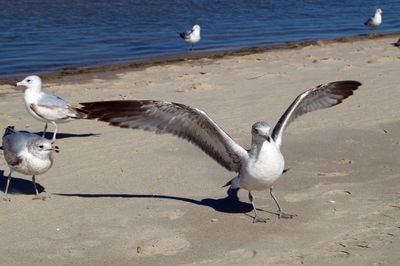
(41, 148)
(31, 82)
(379, 11)
(196, 28)
(260, 132)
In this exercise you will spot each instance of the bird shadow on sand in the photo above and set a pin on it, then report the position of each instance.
(230, 204)
(19, 185)
(49, 135)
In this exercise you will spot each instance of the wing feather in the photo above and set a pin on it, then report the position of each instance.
(177, 119)
(57, 113)
(321, 97)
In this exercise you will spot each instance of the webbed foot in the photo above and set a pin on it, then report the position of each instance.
(258, 219)
(286, 215)
(6, 198)
(37, 197)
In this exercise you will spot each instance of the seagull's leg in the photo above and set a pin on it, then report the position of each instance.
(44, 130)
(5, 196)
(281, 213)
(55, 132)
(36, 191)
(257, 219)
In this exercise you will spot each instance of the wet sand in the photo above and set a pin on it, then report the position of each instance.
(125, 197)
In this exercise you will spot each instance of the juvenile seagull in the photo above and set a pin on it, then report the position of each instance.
(47, 107)
(191, 37)
(376, 20)
(257, 168)
(28, 154)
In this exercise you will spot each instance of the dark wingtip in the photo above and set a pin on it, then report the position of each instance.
(285, 170)
(227, 184)
(9, 130)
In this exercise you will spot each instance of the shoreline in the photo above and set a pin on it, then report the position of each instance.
(182, 57)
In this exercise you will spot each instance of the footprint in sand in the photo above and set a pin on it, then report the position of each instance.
(195, 87)
(150, 241)
(382, 59)
(163, 246)
(337, 192)
(331, 174)
(233, 257)
(269, 76)
(296, 197)
(327, 60)
(348, 67)
(161, 213)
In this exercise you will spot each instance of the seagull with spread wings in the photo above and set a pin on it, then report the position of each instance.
(47, 107)
(259, 167)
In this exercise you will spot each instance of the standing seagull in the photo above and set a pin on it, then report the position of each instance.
(28, 154)
(47, 107)
(376, 20)
(257, 168)
(191, 37)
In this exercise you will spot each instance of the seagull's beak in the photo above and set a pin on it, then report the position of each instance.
(55, 149)
(266, 137)
(18, 83)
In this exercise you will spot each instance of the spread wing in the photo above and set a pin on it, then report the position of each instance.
(321, 97)
(177, 119)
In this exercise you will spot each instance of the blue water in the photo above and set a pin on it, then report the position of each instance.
(45, 35)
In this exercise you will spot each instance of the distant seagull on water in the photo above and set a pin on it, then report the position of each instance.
(28, 154)
(47, 107)
(257, 168)
(376, 20)
(191, 37)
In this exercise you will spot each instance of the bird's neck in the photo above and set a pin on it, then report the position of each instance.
(263, 148)
(34, 89)
(257, 147)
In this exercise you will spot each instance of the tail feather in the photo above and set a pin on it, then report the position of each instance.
(9, 130)
(79, 113)
(233, 183)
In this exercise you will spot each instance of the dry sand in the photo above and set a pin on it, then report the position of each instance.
(125, 197)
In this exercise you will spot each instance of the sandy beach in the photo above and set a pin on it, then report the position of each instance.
(127, 197)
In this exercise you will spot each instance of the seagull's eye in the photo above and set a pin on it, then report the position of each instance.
(41, 146)
(28, 80)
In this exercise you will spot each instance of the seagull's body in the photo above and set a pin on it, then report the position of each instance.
(47, 107)
(259, 167)
(376, 20)
(191, 37)
(28, 154)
